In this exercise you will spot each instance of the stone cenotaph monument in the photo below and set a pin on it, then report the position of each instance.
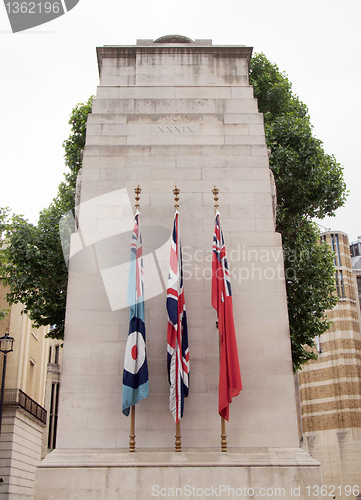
(175, 112)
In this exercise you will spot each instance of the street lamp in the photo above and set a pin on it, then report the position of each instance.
(6, 345)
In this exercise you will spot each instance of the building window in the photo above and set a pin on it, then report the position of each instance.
(318, 345)
(336, 249)
(342, 285)
(359, 287)
(53, 415)
(355, 249)
(340, 288)
(56, 356)
(50, 352)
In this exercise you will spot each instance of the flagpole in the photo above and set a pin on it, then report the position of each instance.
(178, 441)
(132, 429)
(223, 435)
(137, 191)
(223, 420)
(176, 192)
(215, 192)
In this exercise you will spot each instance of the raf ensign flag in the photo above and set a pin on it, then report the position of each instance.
(135, 375)
(177, 336)
(230, 383)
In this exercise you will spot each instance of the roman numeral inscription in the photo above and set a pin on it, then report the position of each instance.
(175, 129)
(175, 118)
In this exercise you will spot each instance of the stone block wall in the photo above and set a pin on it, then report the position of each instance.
(20, 453)
(182, 114)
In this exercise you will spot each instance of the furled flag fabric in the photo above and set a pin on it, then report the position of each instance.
(135, 375)
(230, 383)
(177, 335)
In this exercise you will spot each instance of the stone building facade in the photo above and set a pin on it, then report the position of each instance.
(355, 248)
(330, 387)
(52, 393)
(24, 416)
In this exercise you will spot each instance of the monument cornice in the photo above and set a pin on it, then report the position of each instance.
(220, 51)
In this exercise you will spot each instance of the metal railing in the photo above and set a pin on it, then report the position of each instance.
(16, 397)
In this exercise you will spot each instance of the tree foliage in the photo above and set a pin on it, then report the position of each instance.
(74, 145)
(309, 184)
(32, 260)
(310, 283)
(34, 269)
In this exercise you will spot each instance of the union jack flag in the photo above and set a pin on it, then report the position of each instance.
(177, 335)
(230, 383)
(135, 374)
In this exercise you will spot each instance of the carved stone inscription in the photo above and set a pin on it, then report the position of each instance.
(176, 124)
(175, 118)
(175, 129)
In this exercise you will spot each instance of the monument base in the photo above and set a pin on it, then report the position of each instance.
(271, 473)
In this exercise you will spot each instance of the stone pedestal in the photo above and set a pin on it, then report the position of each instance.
(250, 473)
(166, 114)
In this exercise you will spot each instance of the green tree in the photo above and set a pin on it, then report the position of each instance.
(4, 212)
(310, 283)
(74, 145)
(309, 184)
(31, 256)
(35, 270)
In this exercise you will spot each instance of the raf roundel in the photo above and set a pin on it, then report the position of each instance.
(134, 352)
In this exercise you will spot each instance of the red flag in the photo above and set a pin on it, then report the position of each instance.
(230, 383)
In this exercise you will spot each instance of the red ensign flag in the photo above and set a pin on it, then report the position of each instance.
(230, 383)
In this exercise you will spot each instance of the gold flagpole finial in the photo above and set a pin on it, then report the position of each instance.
(176, 192)
(137, 191)
(215, 192)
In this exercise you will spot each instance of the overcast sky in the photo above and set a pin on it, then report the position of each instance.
(46, 71)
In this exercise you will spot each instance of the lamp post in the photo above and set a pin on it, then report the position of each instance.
(6, 346)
